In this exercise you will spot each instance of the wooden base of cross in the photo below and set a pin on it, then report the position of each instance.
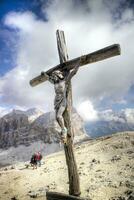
(61, 196)
(67, 65)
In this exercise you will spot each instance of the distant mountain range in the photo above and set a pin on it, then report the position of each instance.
(25, 127)
(111, 122)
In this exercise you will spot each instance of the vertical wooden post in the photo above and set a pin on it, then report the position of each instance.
(74, 185)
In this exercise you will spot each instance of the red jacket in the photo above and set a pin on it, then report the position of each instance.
(38, 156)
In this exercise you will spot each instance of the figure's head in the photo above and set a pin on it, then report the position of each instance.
(57, 75)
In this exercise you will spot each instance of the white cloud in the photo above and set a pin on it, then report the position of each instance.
(123, 116)
(3, 111)
(87, 111)
(23, 21)
(88, 26)
(129, 113)
(110, 115)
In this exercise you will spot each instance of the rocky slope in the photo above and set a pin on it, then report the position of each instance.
(105, 166)
(13, 129)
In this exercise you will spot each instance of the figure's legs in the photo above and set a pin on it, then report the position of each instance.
(60, 120)
(39, 163)
(59, 116)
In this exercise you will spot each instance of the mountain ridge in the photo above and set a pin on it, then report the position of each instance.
(109, 122)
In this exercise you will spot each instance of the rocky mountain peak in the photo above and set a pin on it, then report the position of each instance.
(13, 121)
(33, 113)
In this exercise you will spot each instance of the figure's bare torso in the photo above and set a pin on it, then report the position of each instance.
(60, 93)
(59, 88)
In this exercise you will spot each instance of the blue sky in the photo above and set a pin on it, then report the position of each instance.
(7, 49)
(28, 44)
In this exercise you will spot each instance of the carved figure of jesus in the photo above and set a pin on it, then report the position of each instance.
(61, 81)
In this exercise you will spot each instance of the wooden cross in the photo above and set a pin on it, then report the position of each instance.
(65, 64)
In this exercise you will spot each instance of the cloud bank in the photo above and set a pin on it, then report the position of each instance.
(88, 26)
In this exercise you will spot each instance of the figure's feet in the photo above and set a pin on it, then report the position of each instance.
(64, 131)
(64, 135)
(64, 140)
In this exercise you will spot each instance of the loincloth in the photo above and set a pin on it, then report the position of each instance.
(59, 101)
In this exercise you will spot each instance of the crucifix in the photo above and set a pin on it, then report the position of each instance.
(60, 76)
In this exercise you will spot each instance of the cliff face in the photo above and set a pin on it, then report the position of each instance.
(13, 129)
(25, 127)
(12, 122)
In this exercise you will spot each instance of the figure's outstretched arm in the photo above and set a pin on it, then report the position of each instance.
(74, 71)
(46, 76)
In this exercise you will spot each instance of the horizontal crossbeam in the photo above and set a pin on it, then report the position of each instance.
(96, 56)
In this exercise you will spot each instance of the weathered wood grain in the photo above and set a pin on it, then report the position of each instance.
(74, 186)
(96, 56)
(62, 48)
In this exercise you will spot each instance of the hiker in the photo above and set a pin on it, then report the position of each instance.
(33, 161)
(39, 158)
